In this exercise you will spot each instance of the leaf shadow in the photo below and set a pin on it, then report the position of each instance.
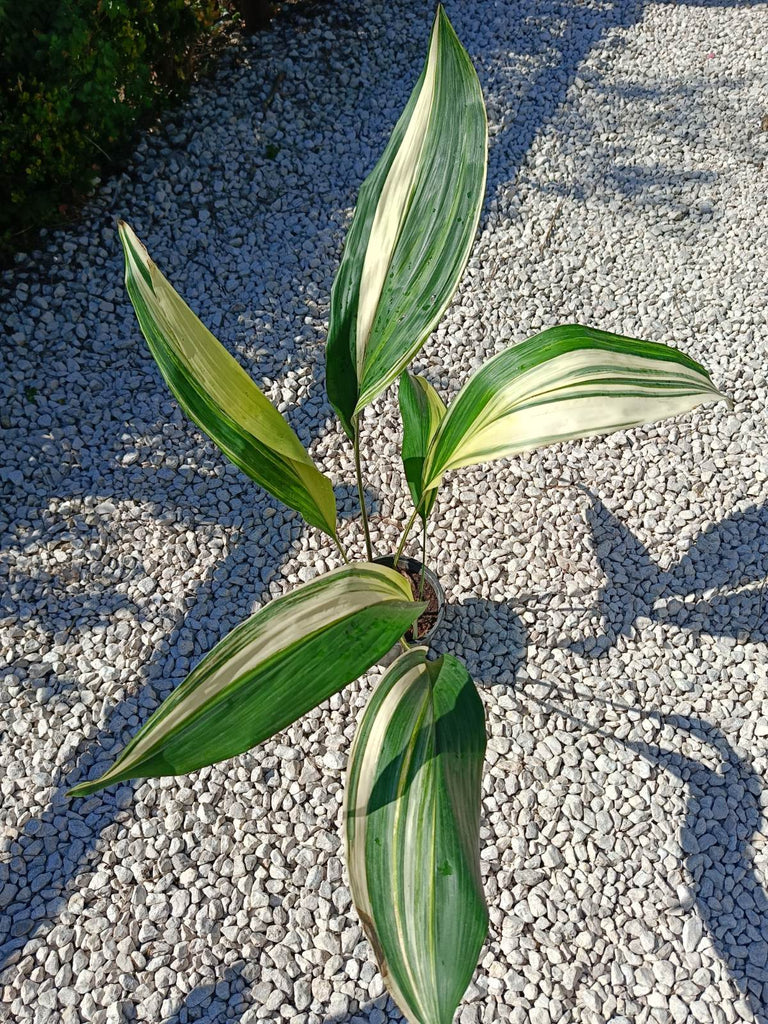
(56, 470)
(489, 636)
(214, 1001)
(372, 1011)
(724, 814)
(717, 587)
(72, 828)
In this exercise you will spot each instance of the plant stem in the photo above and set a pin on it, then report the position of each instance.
(404, 536)
(342, 552)
(423, 560)
(359, 474)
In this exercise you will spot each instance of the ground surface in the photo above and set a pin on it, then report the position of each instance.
(606, 595)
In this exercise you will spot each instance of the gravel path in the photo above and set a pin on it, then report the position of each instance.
(607, 595)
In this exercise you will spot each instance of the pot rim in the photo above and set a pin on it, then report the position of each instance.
(414, 565)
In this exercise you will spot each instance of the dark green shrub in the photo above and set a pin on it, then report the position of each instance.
(75, 76)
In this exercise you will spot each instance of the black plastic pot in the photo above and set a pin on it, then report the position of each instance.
(413, 565)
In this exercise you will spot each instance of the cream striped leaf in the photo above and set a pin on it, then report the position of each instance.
(564, 383)
(412, 821)
(271, 669)
(414, 224)
(422, 411)
(219, 396)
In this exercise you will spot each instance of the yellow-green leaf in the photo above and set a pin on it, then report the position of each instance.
(219, 396)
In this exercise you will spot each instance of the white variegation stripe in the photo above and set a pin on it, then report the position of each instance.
(341, 596)
(413, 824)
(393, 204)
(582, 365)
(535, 426)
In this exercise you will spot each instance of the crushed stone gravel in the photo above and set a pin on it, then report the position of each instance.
(607, 595)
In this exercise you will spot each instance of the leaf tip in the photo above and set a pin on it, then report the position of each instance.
(87, 788)
(81, 789)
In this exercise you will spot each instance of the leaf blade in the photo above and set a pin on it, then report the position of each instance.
(566, 382)
(219, 396)
(415, 221)
(422, 411)
(268, 671)
(412, 832)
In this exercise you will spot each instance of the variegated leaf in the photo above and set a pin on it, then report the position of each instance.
(415, 221)
(422, 411)
(412, 832)
(219, 396)
(271, 669)
(564, 383)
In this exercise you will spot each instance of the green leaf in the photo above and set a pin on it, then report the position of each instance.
(414, 224)
(271, 669)
(564, 383)
(422, 411)
(219, 396)
(412, 832)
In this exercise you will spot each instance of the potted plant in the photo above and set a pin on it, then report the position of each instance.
(414, 776)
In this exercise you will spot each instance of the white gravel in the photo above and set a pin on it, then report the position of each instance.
(619, 632)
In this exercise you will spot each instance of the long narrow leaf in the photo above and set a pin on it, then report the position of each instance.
(412, 832)
(422, 411)
(270, 670)
(219, 396)
(415, 220)
(564, 383)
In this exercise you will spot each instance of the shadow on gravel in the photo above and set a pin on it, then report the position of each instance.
(64, 598)
(42, 837)
(41, 844)
(89, 822)
(492, 640)
(214, 1002)
(723, 818)
(718, 587)
(534, 79)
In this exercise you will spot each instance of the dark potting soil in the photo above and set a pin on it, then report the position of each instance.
(428, 617)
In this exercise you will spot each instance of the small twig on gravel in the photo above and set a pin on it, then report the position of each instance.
(555, 215)
(278, 81)
(760, 604)
(677, 304)
(93, 142)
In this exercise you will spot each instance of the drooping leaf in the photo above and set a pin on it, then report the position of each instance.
(412, 832)
(219, 396)
(271, 669)
(414, 224)
(564, 383)
(422, 411)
